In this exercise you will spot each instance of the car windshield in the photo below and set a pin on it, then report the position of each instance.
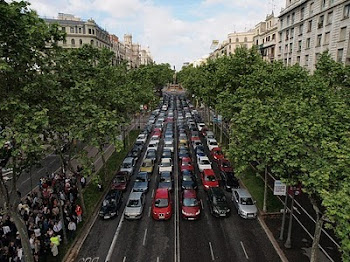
(213, 143)
(165, 179)
(161, 202)
(105, 202)
(190, 202)
(187, 178)
(204, 162)
(127, 165)
(140, 179)
(146, 164)
(166, 164)
(120, 179)
(217, 200)
(210, 178)
(226, 164)
(134, 203)
(218, 152)
(247, 201)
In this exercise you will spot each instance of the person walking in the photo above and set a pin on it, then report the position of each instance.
(72, 227)
(79, 212)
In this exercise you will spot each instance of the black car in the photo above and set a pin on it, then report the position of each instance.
(135, 153)
(167, 153)
(188, 180)
(151, 154)
(111, 204)
(229, 181)
(184, 153)
(138, 145)
(217, 202)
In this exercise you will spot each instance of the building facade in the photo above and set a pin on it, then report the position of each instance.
(265, 38)
(80, 32)
(309, 27)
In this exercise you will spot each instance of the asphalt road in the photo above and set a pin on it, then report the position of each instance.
(208, 239)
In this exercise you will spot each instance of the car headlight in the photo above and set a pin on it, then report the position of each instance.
(198, 212)
(216, 210)
(228, 210)
(206, 186)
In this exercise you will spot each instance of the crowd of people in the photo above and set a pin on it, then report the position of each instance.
(41, 212)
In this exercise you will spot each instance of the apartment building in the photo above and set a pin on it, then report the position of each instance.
(79, 32)
(309, 27)
(146, 58)
(233, 41)
(265, 38)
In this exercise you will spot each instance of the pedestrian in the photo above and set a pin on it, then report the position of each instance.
(54, 249)
(72, 227)
(99, 186)
(79, 213)
(83, 181)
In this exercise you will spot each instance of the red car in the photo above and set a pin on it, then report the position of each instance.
(185, 160)
(209, 179)
(157, 132)
(225, 165)
(186, 164)
(120, 181)
(161, 207)
(195, 138)
(190, 205)
(217, 153)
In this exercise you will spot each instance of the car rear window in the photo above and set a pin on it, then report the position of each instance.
(134, 203)
(161, 202)
(190, 202)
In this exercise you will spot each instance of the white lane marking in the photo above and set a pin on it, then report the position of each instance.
(152, 193)
(149, 211)
(124, 259)
(245, 252)
(202, 205)
(211, 252)
(111, 248)
(296, 210)
(157, 259)
(144, 237)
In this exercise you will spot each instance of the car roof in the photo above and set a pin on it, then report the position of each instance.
(212, 140)
(135, 195)
(208, 172)
(128, 159)
(147, 160)
(243, 192)
(189, 193)
(161, 193)
(203, 158)
(166, 159)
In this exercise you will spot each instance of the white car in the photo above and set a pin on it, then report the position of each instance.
(155, 138)
(142, 138)
(134, 206)
(152, 145)
(212, 143)
(209, 135)
(204, 163)
(200, 126)
(166, 165)
(169, 145)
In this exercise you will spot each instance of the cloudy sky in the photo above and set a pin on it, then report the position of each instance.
(175, 31)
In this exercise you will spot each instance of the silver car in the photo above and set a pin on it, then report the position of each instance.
(128, 165)
(134, 206)
(244, 203)
(141, 182)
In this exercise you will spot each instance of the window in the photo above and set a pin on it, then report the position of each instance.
(306, 60)
(331, 2)
(340, 55)
(245, 39)
(326, 38)
(298, 59)
(72, 42)
(311, 10)
(308, 40)
(72, 29)
(329, 18)
(237, 40)
(320, 21)
(92, 42)
(280, 34)
(89, 31)
(93, 31)
(301, 29)
(230, 40)
(80, 42)
(288, 17)
(300, 43)
(281, 23)
(347, 11)
(309, 26)
(318, 55)
(273, 37)
(63, 29)
(290, 47)
(287, 34)
(79, 30)
(291, 32)
(318, 40)
(302, 13)
(64, 42)
(286, 48)
(342, 34)
(293, 16)
(96, 43)
(323, 4)
(279, 49)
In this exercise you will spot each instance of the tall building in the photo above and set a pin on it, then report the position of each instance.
(79, 32)
(309, 27)
(266, 37)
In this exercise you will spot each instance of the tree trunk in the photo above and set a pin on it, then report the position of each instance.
(64, 231)
(318, 231)
(23, 233)
(284, 217)
(104, 168)
(80, 189)
(265, 191)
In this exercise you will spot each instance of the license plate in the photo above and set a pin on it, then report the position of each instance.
(222, 215)
(191, 218)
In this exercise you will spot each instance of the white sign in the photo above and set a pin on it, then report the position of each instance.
(279, 188)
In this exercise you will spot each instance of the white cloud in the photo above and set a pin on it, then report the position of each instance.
(171, 38)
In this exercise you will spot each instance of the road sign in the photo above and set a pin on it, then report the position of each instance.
(279, 188)
(294, 190)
